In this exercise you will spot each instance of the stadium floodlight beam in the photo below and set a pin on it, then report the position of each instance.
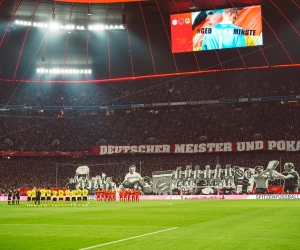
(54, 26)
(63, 71)
(68, 27)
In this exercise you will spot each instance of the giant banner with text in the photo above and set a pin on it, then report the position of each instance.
(245, 146)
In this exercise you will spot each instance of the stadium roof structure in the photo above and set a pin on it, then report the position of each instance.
(141, 46)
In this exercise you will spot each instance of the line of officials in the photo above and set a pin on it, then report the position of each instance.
(13, 197)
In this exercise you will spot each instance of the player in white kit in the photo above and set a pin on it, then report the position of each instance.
(117, 194)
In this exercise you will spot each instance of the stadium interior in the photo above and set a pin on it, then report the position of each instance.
(123, 86)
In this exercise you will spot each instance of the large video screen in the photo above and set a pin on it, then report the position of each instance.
(217, 29)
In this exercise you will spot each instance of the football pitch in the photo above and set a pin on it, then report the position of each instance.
(168, 224)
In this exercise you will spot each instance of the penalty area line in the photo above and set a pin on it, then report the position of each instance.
(130, 238)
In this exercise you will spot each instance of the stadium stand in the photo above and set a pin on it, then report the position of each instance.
(25, 130)
(219, 85)
(79, 133)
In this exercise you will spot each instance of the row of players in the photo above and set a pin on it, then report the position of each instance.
(56, 197)
(118, 195)
(61, 197)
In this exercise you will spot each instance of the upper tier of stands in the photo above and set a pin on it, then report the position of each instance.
(185, 125)
(206, 86)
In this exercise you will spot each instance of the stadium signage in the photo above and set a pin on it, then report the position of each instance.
(277, 197)
(244, 146)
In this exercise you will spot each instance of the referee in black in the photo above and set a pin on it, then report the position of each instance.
(38, 197)
(18, 195)
(9, 196)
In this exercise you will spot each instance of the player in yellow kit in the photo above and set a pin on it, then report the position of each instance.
(67, 199)
(33, 196)
(74, 195)
(61, 197)
(79, 193)
(48, 193)
(28, 197)
(54, 198)
(43, 197)
(85, 193)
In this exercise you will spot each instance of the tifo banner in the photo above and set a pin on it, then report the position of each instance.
(162, 181)
(244, 180)
(192, 180)
(282, 145)
(104, 149)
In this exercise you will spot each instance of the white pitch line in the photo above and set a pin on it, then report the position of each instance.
(130, 238)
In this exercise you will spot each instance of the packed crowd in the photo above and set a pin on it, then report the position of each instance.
(185, 125)
(78, 131)
(28, 172)
(205, 86)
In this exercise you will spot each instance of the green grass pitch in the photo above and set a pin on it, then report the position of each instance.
(173, 224)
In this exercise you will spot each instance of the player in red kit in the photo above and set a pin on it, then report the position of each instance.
(113, 194)
(98, 195)
(106, 195)
(121, 195)
(110, 195)
(102, 195)
(137, 195)
(132, 195)
(126, 195)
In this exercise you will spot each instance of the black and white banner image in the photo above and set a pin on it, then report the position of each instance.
(211, 180)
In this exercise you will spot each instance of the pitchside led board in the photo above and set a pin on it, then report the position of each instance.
(217, 29)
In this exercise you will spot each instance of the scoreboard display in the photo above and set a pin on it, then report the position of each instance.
(217, 29)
